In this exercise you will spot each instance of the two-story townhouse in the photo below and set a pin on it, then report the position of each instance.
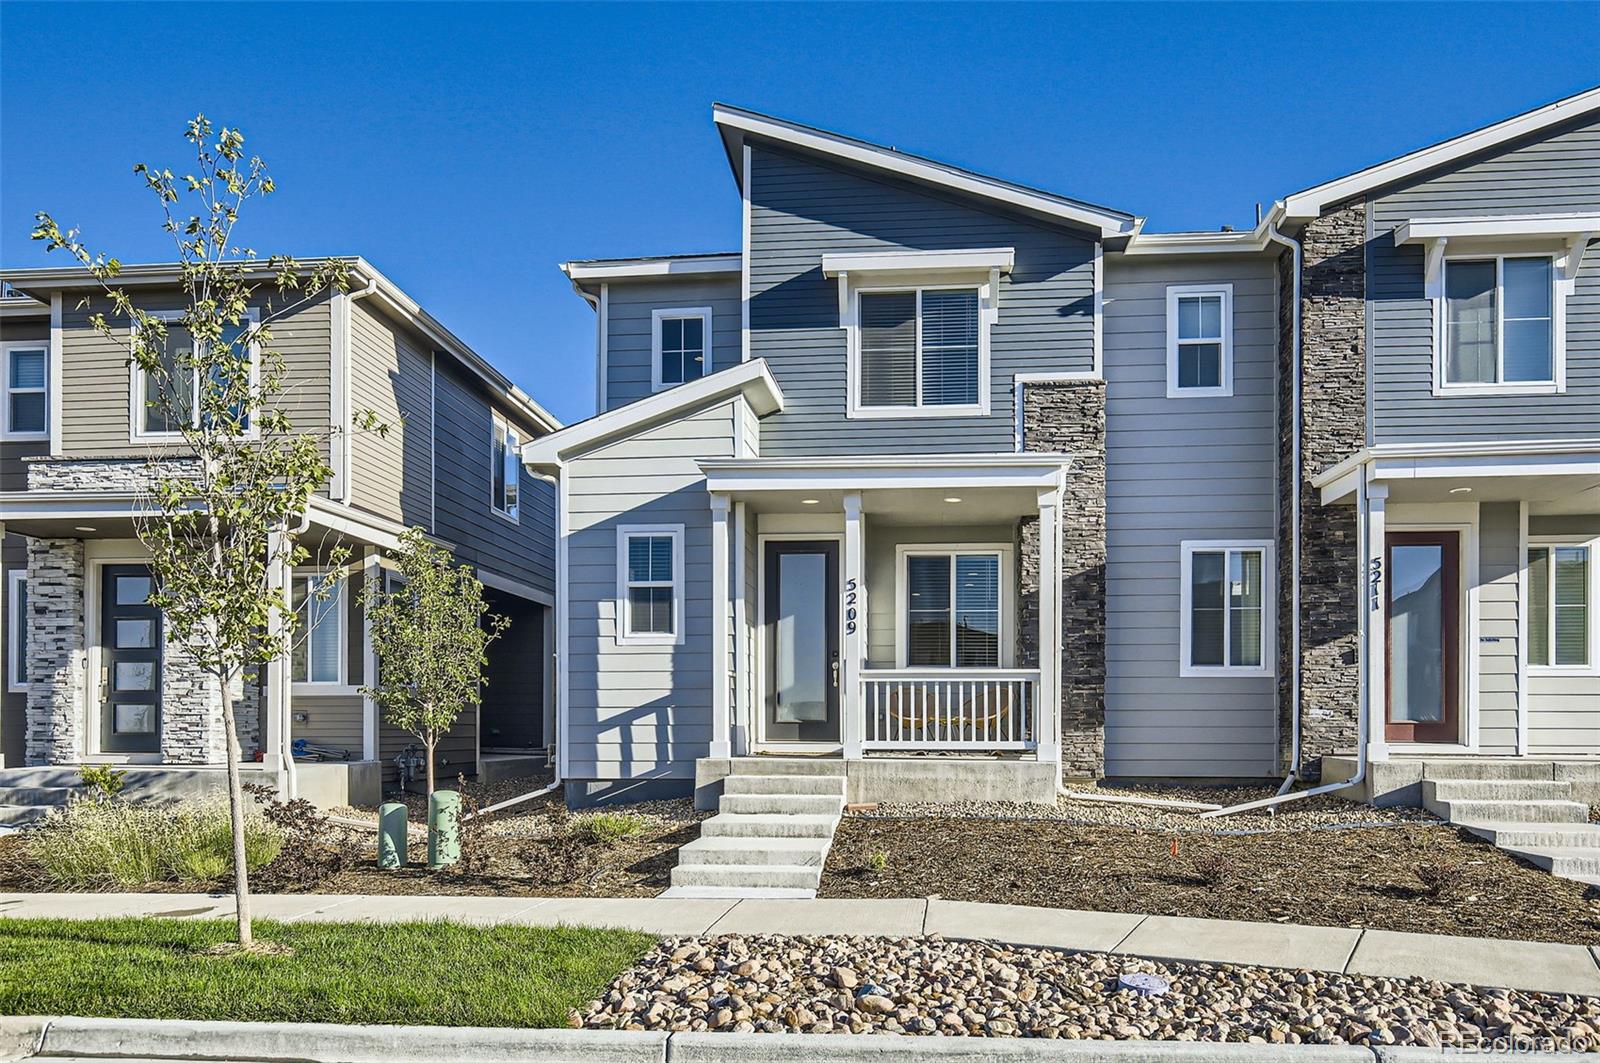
(1317, 496)
(90, 676)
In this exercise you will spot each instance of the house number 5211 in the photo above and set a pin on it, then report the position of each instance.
(1375, 584)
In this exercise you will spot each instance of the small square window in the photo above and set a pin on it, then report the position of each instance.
(681, 346)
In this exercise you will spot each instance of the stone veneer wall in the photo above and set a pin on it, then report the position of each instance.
(100, 474)
(1070, 417)
(55, 651)
(1333, 412)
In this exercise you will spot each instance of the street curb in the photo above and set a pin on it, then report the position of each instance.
(281, 1042)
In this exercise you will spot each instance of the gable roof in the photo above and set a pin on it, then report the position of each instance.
(1311, 202)
(735, 124)
(751, 379)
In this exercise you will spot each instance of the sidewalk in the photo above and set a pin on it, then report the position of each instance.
(1479, 961)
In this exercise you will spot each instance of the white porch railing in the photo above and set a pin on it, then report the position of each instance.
(980, 709)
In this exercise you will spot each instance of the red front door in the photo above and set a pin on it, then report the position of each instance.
(1422, 596)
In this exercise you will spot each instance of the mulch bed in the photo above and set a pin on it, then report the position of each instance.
(1366, 877)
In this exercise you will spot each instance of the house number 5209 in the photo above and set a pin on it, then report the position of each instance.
(850, 606)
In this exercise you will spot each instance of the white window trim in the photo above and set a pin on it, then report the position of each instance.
(6, 390)
(1593, 546)
(341, 613)
(1559, 288)
(623, 635)
(1175, 292)
(987, 286)
(15, 622)
(1269, 618)
(496, 421)
(902, 594)
(680, 313)
(136, 406)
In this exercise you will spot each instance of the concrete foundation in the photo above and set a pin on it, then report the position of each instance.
(902, 779)
(1398, 781)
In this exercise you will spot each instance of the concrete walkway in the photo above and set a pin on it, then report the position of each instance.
(1478, 961)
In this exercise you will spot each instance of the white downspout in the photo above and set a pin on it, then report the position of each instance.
(1294, 522)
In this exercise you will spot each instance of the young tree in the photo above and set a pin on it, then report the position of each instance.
(226, 498)
(430, 635)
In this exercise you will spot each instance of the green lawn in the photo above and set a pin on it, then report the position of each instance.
(438, 973)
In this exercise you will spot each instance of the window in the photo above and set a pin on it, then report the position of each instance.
(1226, 608)
(154, 419)
(1499, 321)
(650, 584)
(27, 407)
(1199, 340)
(505, 468)
(16, 630)
(1560, 587)
(952, 608)
(682, 345)
(919, 350)
(318, 652)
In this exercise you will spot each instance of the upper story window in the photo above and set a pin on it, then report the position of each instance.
(919, 350)
(505, 467)
(318, 654)
(162, 402)
(25, 383)
(650, 584)
(1226, 607)
(681, 345)
(1199, 340)
(953, 608)
(1561, 589)
(1499, 321)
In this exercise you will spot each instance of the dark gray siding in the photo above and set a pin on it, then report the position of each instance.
(1558, 173)
(1176, 470)
(801, 209)
(513, 697)
(630, 341)
(524, 551)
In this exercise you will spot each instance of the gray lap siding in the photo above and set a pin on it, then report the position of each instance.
(630, 336)
(802, 209)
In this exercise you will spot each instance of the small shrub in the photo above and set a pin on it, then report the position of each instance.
(311, 849)
(1211, 867)
(470, 833)
(609, 828)
(1439, 875)
(878, 860)
(102, 779)
(100, 843)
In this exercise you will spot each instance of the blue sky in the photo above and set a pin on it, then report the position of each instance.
(466, 149)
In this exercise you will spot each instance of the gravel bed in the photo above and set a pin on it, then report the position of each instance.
(930, 985)
(1310, 812)
(540, 817)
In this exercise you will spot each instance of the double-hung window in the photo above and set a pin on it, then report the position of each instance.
(24, 378)
(1499, 321)
(681, 345)
(919, 350)
(318, 652)
(16, 630)
(1199, 340)
(953, 608)
(1226, 607)
(1561, 584)
(650, 584)
(163, 402)
(505, 467)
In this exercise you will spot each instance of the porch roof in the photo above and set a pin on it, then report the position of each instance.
(1555, 473)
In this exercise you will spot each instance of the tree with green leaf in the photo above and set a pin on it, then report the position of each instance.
(431, 635)
(227, 496)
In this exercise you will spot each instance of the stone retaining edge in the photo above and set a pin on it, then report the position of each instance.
(33, 1037)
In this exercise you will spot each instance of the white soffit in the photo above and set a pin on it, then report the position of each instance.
(965, 260)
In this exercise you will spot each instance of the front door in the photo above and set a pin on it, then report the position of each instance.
(1422, 602)
(130, 661)
(801, 629)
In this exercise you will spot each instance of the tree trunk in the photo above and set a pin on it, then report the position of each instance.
(427, 744)
(241, 870)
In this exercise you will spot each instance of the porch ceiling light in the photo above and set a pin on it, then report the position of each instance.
(1461, 490)
(83, 527)
(810, 501)
(952, 500)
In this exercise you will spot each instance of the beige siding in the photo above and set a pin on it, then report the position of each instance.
(390, 367)
(1499, 530)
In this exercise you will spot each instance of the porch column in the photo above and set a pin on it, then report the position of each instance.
(853, 640)
(1374, 635)
(277, 675)
(370, 573)
(743, 710)
(1047, 726)
(721, 645)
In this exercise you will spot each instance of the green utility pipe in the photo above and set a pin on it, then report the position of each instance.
(444, 828)
(392, 835)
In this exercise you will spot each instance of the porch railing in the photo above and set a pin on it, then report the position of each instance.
(949, 708)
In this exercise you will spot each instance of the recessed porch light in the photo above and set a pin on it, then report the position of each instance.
(83, 527)
(952, 499)
(810, 501)
(1461, 490)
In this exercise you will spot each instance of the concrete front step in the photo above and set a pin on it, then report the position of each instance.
(828, 766)
(1537, 835)
(22, 815)
(1464, 812)
(783, 804)
(748, 876)
(36, 795)
(1566, 862)
(1495, 790)
(1488, 769)
(725, 850)
(828, 785)
(768, 825)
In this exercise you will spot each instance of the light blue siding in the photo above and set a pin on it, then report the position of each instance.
(802, 209)
(630, 341)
